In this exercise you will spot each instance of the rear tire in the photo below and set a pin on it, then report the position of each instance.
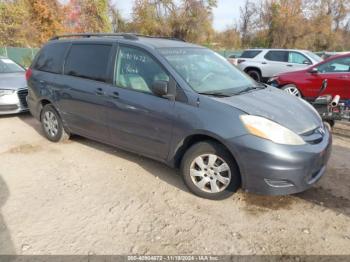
(52, 125)
(255, 74)
(209, 171)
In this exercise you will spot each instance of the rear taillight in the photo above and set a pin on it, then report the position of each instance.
(28, 73)
(240, 61)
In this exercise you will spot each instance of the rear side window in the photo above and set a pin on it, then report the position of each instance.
(88, 61)
(250, 53)
(277, 56)
(50, 58)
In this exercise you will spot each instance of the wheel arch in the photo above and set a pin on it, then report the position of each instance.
(193, 139)
(249, 68)
(43, 102)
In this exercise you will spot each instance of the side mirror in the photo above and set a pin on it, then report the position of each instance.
(160, 88)
(306, 62)
(314, 70)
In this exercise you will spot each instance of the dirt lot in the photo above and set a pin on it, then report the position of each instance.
(83, 197)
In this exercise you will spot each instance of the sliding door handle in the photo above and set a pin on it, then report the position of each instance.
(114, 95)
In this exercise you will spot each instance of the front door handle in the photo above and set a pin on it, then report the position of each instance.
(290, 65)
(343, 77)
(99, 92)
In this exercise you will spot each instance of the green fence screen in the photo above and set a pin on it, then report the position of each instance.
(22, 56)
(228, 53)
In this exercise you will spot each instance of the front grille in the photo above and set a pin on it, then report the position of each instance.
(22, 95)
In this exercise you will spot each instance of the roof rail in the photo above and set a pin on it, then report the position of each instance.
(163, 37)
(129, 36)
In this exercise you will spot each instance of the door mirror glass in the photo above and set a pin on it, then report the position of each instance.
(160, 87)
(314, 70)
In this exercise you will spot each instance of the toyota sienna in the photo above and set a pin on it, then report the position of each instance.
(180, 104)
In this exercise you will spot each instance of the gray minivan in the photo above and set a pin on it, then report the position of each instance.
(181, 104)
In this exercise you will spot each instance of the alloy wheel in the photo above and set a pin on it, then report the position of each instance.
(210, 173)
(50, 123)
(292, 90)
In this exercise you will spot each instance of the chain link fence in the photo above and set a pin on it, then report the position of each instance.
(22, 56)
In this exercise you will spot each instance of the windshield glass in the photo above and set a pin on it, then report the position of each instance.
(206, 71)
(8, 66)
(314, 56)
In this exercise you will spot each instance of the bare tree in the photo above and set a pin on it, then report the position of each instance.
(247, 16)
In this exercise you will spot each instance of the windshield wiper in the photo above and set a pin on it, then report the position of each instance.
(251, 88)
(218, 94)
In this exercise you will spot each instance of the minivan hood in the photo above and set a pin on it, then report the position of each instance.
(278, 106)
(13, 81)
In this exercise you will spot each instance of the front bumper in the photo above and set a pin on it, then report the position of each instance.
(14, 103)
(273, 82)
(271, 169)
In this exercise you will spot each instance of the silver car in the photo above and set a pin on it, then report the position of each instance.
(13, 88)
(262, 64)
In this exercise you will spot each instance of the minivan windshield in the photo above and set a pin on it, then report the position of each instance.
(315, 57)
(207, 72)
(8, 66)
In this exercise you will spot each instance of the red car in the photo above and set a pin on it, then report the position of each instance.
(307, 83)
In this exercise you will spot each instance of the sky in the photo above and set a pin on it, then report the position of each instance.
(226, 14)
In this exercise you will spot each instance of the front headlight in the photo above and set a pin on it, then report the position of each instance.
(4, 92)
(270, 130)
(272, 79)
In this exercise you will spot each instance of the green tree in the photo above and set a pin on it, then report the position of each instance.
(186, 19)
(13, 23)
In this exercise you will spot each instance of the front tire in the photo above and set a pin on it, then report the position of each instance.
(52, 125)
(255, 74)
(292, 90)
(209, 171)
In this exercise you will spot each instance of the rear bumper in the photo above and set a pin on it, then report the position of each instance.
(271, 169)
(14, 103)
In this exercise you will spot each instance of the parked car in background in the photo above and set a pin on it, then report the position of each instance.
(326, 55)
(181, 104)
(13, 87)
(233, 59)
(306, 83)
(262, 64)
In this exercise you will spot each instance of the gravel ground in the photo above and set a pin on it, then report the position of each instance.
(82, 197)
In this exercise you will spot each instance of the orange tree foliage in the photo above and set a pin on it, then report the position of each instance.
(45, 17)
(88, 16)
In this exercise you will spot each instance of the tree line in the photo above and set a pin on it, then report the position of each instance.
(305, 24)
